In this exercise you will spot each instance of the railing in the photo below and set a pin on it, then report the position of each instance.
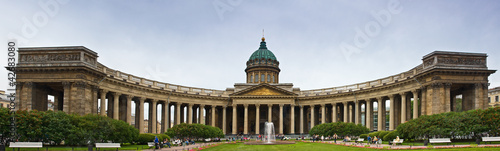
(210, 92)
(159, 85)
(365, 85)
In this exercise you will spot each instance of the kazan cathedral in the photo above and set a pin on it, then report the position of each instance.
(80, 84)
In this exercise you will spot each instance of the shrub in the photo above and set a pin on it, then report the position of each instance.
(363, 136)
(373, 134)
(339, 128)
(194, 131)
(391, 136)
(382, 134)
(143, 139)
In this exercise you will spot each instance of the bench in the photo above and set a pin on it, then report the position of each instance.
(491, 139)
(26, 145)
(397, 142)
(107, 145)
(439, 140)
(360, 140)
(151, 144)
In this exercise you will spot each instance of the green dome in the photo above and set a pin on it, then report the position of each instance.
(262, 53)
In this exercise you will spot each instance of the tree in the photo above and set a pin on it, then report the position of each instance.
(56, 126)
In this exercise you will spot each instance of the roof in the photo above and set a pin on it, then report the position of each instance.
(262, 53)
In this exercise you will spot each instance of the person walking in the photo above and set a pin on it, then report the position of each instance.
(335, 137)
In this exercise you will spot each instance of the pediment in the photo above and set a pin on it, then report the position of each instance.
(263, 90)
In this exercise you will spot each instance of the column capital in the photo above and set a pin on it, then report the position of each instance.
(154, 100)
(322, 105)
(334, 104)
(128, 97)
(379, 98)
(190, 104)
(257, 105)
(142, 98)
(116, 94)
(65, 84)
(202, 105)
(402, 93)
(391, 96)
(292, 105)
(270, 105)
(245, 105)
(213, 106)
(415, 91)
(345, 103)
(447, 85)
(103, 91)
(281, 105)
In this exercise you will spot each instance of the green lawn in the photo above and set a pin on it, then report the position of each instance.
(301, 146)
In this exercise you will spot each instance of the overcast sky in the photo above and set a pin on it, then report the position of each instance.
(207, 43)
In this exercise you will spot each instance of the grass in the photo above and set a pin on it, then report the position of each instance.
(301, 146)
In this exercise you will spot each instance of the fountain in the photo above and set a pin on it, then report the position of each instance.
(269, 137)
(269, 132)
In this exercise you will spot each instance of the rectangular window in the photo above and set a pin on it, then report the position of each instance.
(1, 105)
(496, 98)
(489, 99)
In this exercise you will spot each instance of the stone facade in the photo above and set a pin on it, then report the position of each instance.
(494, 97)
(78, 82)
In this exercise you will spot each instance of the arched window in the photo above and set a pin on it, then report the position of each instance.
(273, 78)
(251, 78)
(262, 78)
(255, 80)
(268, 78)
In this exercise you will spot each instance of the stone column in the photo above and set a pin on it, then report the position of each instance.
(403, 107)
(281, 119)
(200, 116)
(357, 110)
(292, 118)
(245, 120)
(301, 120)
(346, 112)
(103, 102)
(116, 100)
(213, 116)
(257, 117)
(129, 109)
(141, 114)
(380, 121)
(350, 113)
(152, 118)
(66, 99)
(190, 113)
(312, 116)
(269, 113)
(415, 103)
(334, 112)
(224, 119)
(369, 116)
(165, 117)
(177, 113)
(391, 113)
(323, 114)
(234, 119)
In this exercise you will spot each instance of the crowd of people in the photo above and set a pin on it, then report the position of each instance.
(176, 142)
